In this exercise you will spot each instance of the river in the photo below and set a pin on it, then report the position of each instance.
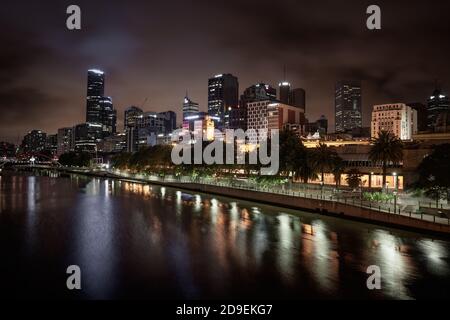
(150, 242)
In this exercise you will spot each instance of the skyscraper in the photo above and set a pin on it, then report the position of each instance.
(285, 92)
(132, 114)
(51, 144)
(438, 110)
(396, 118)
(169, 120)
(65, 140)
(257, 92)
(149, 126)
(100, 109)
(34, 141)
(86, 136)
(95, 92)
(108, 117)
(298, 98)
(322, 124)
(190, 108)
(293, 97)
(422, 115)
(223, 95)
(269, 115)
(348, 106)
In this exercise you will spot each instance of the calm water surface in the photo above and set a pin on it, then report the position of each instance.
(151, 242)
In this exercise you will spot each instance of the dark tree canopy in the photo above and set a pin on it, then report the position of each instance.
(434, 171)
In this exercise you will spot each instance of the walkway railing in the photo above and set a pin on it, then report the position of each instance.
(302, 191)
(412, 212)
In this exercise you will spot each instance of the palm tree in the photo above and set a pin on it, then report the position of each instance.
(291, 152)
(353, 178)
(323, 159)
(303, 166)
(387, 148)
(337, 170)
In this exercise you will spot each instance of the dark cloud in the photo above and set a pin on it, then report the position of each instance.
(158, 50)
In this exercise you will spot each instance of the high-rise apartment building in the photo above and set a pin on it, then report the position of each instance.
(438, 111)
(34, 142)
(269, 115)
(257, 92)
(65, 140)
(51, 144)
(348, 106)
(422, 115)
(99, 109)
(285, 92)
(131, 116)
(149, 126)
(294, 97)
(298, 98)
(95, 92)
(169, 121)
(223, 96)
(190, 108)
(397, 118)
(86, 136)
(108, 117)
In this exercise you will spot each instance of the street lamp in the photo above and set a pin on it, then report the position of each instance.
(395, 192)
(321, 189)
(395, 200)
(370, 181)
(395, 181)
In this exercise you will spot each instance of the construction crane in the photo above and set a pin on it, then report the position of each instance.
(143, 103)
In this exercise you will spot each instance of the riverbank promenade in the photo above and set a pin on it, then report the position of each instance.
(404, 211)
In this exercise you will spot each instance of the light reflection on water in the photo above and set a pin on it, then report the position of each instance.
(135, 240)
(94, 239)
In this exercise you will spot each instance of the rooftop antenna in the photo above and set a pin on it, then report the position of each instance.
(284, 73)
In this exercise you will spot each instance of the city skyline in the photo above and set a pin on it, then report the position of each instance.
(138, 68)
(366, 118)
(261, 153)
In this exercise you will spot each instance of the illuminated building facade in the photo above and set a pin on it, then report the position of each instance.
(348, 106)
(99, 109)
(438, 112)
(397, 118)
(34, 142)
(65, 140)
(86, 137)
(257, 92)
(190, 108)
(223, 96)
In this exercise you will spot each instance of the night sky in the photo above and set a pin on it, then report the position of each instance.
(160, 49)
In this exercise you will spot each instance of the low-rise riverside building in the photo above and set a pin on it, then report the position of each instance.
(356, 156)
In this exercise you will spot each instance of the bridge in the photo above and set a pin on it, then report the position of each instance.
(29, 159)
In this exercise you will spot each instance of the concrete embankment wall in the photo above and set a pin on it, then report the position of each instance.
(325, 207)
(321, 206)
